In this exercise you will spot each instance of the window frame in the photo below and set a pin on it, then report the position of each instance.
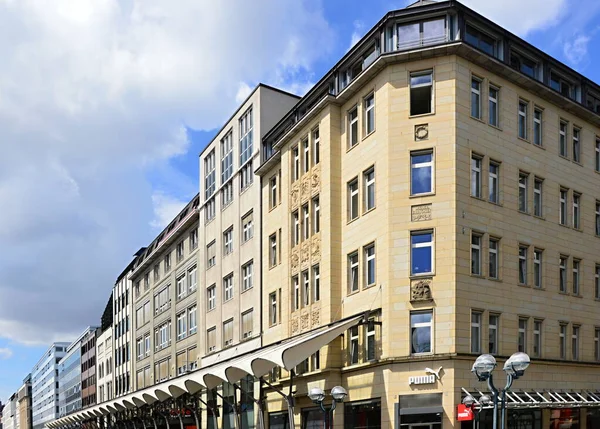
(538, 197)
(476, 109)
(563, 218)
(576, 271)
(476, 253)
(563, 131)
(523, 199)
(576, 210)
(523, 262)
(494, 120)
(476, 325)
(494, 251)
(538, 129)
(523, 120)
(369, 114)
(416, 167)
(413, 246)
(418, 325)
(352, 260)
(522, 333)
(563, 284)
(431, 85)
(352, 121)
(538, 273)
(476, 169)
(496, 328)
(538, 326)
(367, 258)
(353, 195)
(576, 149)
(562, 340)
(368, 186)
(494, 182)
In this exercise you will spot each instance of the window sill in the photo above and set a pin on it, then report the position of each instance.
(353, 292)
(492, 279)
(539, 288)
(349, 148)
(364, 213)
(210, 310)
(524, 285)
(564, 157)
(539, 217)
(563, 293)
(525, 213)
(577, 295)
(421, 275)
(421, 115)
(246, 290)
(477, 198)
(499, 204)
(478, 276)
(526, 140)
(496, 127)
(366, 136)
(564, 225)
(350, 221)
(577, 163)
(425, 194)
(477, 119)
(539, 146)
(225, 207)
(577, 229)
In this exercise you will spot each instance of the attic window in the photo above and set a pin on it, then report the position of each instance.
(421, 33)
(481, 41)
(561, 85)
(523, 64)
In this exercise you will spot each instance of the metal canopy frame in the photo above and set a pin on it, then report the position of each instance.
(516, 399)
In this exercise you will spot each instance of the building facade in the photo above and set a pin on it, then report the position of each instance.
(104, 355)
(10, 413)
(434, 197)
(88, 368)
(44, 386)
(24, 404)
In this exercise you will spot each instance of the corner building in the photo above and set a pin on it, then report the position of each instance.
(444, 178)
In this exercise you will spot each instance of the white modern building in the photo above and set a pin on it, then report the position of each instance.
(10, 414)
(44, 385)
(104, 366)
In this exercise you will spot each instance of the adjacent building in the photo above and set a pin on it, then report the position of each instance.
(10, 413)
(24, 404)
(44, 386)
(88, 368)
(104, 355)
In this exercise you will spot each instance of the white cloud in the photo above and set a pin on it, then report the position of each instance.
(357, 33)
(520, 17)
(576, 50)
(93, 98)
(5, 353)
(165, 209)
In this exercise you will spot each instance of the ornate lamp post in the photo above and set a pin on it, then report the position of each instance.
(317, 395)
(514, 368)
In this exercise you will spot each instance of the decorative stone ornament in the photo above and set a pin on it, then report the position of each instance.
(421, 132)
(420, 290)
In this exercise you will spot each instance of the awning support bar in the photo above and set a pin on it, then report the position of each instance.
(236, 422)
(289, 399)
(258, 402)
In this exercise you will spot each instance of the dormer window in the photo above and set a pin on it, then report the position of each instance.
(481, 41)
(523, 64)
(593, 102)
(562, 85)
(421, 33)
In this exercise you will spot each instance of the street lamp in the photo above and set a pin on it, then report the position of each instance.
(477, 407)
(514, 368)
(317, 395)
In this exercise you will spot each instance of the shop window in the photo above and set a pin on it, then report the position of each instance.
(363, 414)
(312, 418)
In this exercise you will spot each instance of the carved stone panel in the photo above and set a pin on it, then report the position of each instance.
(295, 325)
(315, 318)
(420, 213)
(305, 321)
(305, 254)
(315, 249)
(295, 195)
(421, 132)
(315, 180)
(420, 290)
(305, 189)
(295, 260)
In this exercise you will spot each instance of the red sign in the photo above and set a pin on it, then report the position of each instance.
(464, 413)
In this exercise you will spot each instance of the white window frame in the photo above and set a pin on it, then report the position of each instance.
(228, 287)
(563, 216)
(352, 127)
(422, 325)
(597, 282)
(523, 190)
(494, 254)
(538, 274)
(415, 167)
(211, 293)
(476, 97)
(295, 163)
(495, 120)
(305, 222)
(369, 186)
(523, 251)
(494, 182)
(562, 139)
(576, 145)
(353, 195)
(228, 241)
(181, 326)
(476, 322)
(273, 250)
(493, 327)
(227, 325)
(369, 256)
(316, 215)
(421, 85)
(476, 167)
(247, 275)
(246, 137)
(273, 308)
(576, 210)
(537, 338)
(316, 281)
(248, 226)
(273, 193)
(296, 226)
(305, 288)
(476, 248)
(316, 144)
(369, 108)
(193, 319)
(430, 244)
(522, 119)
(522, 332)
(181, 286)
(538, 197)
(575, 331)
(538, 137)
(296, 289)
(227, 157)
(562, 273)
(353, 272)
(305, 155)
(576, 271)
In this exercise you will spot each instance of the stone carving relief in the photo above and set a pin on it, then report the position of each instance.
(420, 290)
(295, 260)
(295, 195)
(421, 132)
(305, 253)
(295, 325)
(420, 213)
(316, 248)
(315, 318)
(305, 321)
(315, 180)
(305, 189)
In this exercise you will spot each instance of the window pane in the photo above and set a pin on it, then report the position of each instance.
(421, 173)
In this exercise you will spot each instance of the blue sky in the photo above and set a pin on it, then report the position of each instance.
(104, 147)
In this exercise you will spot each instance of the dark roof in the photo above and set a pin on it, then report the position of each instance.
(421, 3)
(106, 320)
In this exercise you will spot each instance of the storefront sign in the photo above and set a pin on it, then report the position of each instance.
(464, 413)
(426, 379)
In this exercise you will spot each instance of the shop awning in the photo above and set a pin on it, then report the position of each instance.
(543, 399)
(285, 354)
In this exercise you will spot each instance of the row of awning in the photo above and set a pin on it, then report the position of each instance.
(543, 399)
(285, 354)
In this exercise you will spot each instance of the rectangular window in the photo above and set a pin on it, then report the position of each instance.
(522, 265)
(576, 211)
(316, 147)
(537, 338)
(476, 254)
(305, 288)
(563, 274)
(370, 265)
(246, 140)
(295, 163)
(597, 223)
(210, 210)
(316, 215)
(353, 346)
(538, 202)
(494, 182)
(493, 328)
(179, 252)
(211, 339)
(493, 110)
(476, 98)
(563, 206)
(421, 93)
(156, 270)
(523, 197)
(576, 276)
(140, 348)
(597, 282)
(162, 300)
(562, 335)
(228, 333)
(537, 127)
(597, 344)
(246, 176)
(305, 155)
(247, 324)
(273, 308)
(476, 176)
(561, 85)
(562, 139)
(522, 339)
(228, 287)
(371, 342)
(247, 272)
(597, 154)
(575, 343)
(421, 332)
(181, 287)
(576, 145)
(523, 106)
(209, 175)
(273, 192)
(193, 239)
(228, 241)
(211, 254)
(421, 255)
(475, 332)
(480, 40)
(353, 272)
(537, 268)
(353, 199)
(296, 230)
(369, 189)
(226, 194)
(296, 289)
(226, 157)
(421, 172)
(369, 114)
(211, 293)
(305, 222)
(181, 326)
(494, 258)
(273, 250)
(167, 262)
(353, 127)
(247, 227)
(316, 279)
(192, 320)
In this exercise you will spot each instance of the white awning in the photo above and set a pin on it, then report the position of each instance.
(285, 354)
(543, 399)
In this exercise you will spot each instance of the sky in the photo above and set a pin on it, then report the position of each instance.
(106, 104)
